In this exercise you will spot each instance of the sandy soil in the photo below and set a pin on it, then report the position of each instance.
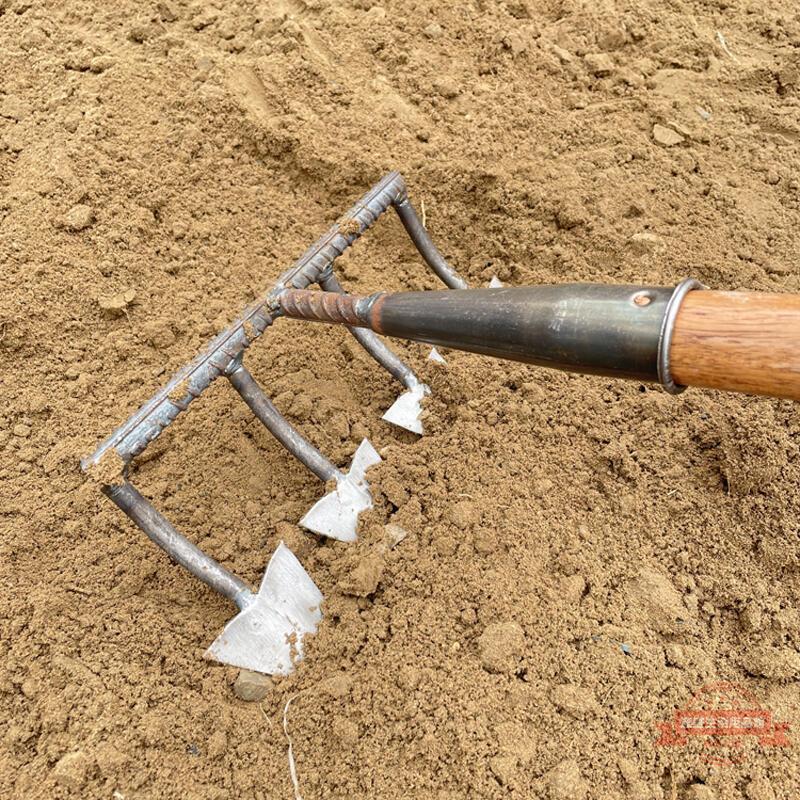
(582, 555)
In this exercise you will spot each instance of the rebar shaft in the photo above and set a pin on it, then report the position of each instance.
(321, 306)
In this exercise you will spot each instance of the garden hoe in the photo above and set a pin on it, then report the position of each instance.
(688, 335)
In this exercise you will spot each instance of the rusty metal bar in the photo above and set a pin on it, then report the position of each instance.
(424, 243)
(389, 360)
(279, 426)
(160, 531)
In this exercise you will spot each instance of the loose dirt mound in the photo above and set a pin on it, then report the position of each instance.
(581, 556)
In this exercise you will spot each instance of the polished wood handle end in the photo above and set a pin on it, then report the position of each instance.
(738, 341)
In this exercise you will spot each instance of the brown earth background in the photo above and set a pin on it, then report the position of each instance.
(161, 164)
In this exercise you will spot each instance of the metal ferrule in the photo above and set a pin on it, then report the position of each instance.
(667, 327)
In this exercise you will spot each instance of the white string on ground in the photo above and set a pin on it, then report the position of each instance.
(724, 45)
(290, 752)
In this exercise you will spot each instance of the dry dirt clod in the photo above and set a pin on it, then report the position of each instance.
(699, 791)
(564, 56)
(576, 701)
(464, 514)
(565, 782)
(71, 771)
(751, 618)
(570, 214)
(338, 686)
(344, 731)
(505, 769)
(447, 88)
(501, 646)
(485, 541)
(167, 11)
(363, 580)
(108, 471)
(572, 588)
(654, 597)
(252, 686)
(12, 107)
(217, 744)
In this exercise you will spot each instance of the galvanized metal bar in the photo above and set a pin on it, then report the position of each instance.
(424, 243)
(133, 436)
(279, 426)
(179, 548)
(389, 360)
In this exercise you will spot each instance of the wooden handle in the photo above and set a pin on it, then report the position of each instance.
(738, 341)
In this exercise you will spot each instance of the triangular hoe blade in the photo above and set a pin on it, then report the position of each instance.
(436, 356)
(267, 635)
(405, 411)
(336, 514)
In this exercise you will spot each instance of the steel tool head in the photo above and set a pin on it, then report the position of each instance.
(336, 514)
(267, 634)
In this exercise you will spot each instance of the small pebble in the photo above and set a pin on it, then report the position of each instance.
(167, 12)
(599, 64)
(433, 31)
(564, 56)
(101, 63)
(23, 431)
(252, 686)
(393, 534)
(78, 218)
(447, 88)
(666, 136)
(644, 243)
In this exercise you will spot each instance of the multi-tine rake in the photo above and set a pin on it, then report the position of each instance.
(681, 336)
(266, 634)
